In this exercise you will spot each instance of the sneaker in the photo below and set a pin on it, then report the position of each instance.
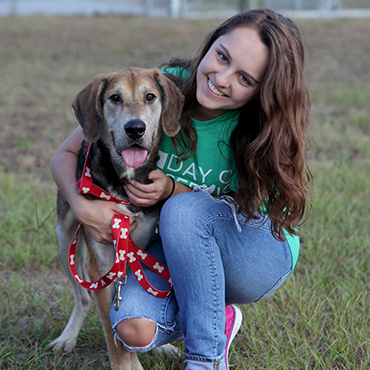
(234, 319)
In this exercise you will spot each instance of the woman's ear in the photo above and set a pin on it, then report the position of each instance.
(88, 110)
(172, 103)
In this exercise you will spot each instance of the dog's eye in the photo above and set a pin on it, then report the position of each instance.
(150, 97)
(115, 98)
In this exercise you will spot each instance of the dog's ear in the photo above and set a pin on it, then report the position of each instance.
(88, 110)
(172, 103)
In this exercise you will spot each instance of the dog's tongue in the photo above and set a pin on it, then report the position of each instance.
(134, 156)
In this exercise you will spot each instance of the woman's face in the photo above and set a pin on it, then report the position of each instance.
(231, 73)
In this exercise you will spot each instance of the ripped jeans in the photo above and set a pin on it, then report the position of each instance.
(214, 260)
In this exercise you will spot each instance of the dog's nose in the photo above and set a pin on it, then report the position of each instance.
(135, 129)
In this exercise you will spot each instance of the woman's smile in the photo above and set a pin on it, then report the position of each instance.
(214, 89)
(231, 73)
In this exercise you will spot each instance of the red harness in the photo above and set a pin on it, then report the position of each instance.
(126, 249)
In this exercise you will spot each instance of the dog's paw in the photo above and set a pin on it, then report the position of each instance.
(60, 344)
(168, 350)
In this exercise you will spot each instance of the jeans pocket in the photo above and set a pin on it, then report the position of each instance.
(275, 286)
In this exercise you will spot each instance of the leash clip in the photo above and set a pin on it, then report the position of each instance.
(119, 282)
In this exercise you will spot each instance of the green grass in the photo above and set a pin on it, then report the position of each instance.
(318, 319)
(27, 223)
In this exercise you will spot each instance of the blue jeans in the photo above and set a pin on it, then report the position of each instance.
(214, 259)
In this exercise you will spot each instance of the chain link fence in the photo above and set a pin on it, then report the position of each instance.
(177, 8)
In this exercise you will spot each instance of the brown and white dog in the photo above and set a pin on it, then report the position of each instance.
(123, 114)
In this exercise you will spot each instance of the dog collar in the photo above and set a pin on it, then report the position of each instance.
(126, 249)
(86, 185)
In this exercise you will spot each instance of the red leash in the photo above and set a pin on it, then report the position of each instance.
(126, 249)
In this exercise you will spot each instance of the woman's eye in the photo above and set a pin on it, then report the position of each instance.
(115, 98)
(222, 57)
(150, 97)
(245, 80)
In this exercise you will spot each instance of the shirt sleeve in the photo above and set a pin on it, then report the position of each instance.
(176, 71)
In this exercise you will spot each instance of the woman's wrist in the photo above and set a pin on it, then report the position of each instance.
(172, 187)
(79, 207)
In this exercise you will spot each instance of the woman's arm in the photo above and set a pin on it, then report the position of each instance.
(63, 164)
(97, 215)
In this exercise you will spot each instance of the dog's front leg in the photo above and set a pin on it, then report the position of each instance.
(66, 228)
(120, 358)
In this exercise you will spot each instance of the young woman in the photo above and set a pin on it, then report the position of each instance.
(229, 231)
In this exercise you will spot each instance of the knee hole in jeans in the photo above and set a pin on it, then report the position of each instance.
(136, 332)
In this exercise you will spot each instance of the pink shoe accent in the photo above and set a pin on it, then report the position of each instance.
(234, 319)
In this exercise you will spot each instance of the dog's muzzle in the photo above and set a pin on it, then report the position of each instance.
(135, 129)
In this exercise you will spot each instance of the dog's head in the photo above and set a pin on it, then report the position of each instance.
(127, 109)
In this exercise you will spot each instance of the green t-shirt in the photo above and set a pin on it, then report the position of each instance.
(212, 165)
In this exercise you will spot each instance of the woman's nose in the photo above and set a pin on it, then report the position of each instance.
(223, 77)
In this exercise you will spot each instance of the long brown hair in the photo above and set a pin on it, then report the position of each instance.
(269, 141)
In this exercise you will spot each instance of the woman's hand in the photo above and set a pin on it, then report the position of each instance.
(97, 216)
(145, 195)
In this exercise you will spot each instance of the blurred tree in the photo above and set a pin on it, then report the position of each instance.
(247, 4)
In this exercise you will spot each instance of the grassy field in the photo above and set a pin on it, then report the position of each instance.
(319, 319)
